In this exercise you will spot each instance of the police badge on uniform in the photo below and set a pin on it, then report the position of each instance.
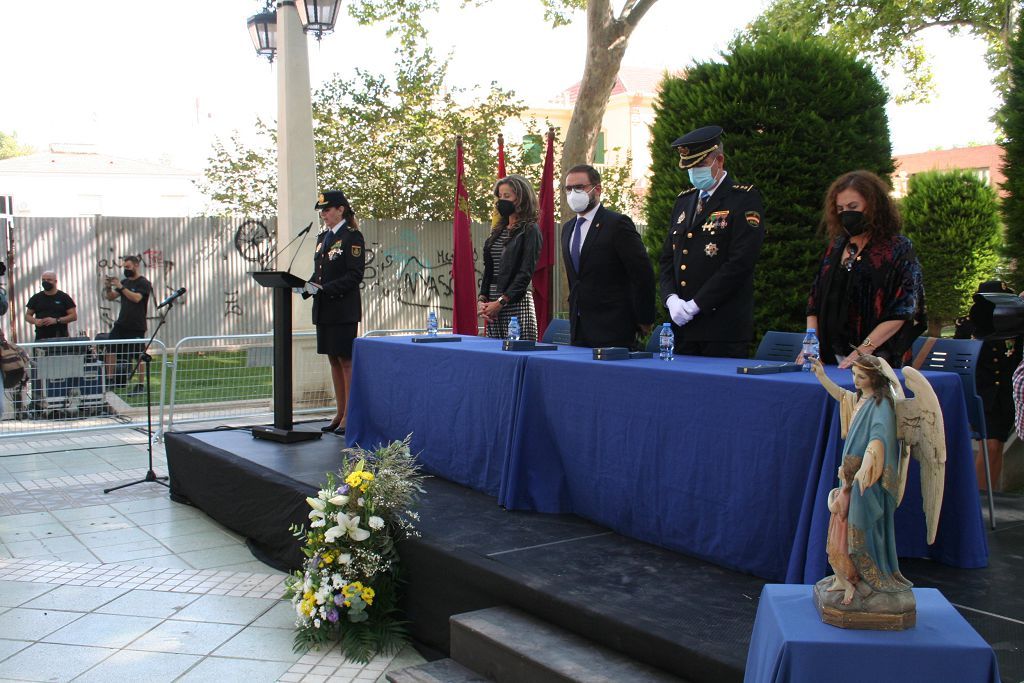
(682, 217)
(711, 249)
(319, 246)
(356, 250)
(753, 219)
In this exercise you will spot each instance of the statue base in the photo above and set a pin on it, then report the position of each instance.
(868, 610)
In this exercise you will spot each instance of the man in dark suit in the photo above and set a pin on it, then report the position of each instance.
(707, 263)
(611, 281)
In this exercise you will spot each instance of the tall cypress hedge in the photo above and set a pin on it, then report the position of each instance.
(796, 114)
(953, 219)
(1011, 117)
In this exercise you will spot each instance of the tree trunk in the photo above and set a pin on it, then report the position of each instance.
(607, 39)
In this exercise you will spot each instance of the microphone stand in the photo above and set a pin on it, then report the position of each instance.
(302, 234)
(144, 357)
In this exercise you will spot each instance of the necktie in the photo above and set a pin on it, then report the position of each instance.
(704, 196)
(577, 237)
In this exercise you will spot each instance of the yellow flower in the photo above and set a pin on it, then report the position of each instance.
(348, 604)
(364, 487)
(368, 476)
(367, 595)
(353, 479)
(327, 558)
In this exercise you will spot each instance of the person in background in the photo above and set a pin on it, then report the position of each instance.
(511, 252)
(611, 281)
(133, 291)
(338, 265)
(867, 297)
(50, 310)
(707, 263)
(996, 365)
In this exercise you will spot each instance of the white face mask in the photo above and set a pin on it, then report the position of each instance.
(578, 200)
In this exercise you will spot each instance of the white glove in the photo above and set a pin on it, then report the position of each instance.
(691, 308)
(310, 288)
(677, 311)
(298, 290)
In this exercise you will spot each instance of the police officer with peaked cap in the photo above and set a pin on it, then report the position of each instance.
(707, 263)
(338, 264)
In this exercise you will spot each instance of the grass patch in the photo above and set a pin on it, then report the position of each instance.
(204, 377)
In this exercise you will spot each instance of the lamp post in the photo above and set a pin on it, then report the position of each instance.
(281, 33)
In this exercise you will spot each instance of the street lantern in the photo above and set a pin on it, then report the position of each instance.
(317, 16)
(263, 30)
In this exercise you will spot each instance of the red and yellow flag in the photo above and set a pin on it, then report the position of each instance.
(463, 273)
(543, 276)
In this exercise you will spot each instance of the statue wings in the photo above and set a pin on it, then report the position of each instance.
(919, 426)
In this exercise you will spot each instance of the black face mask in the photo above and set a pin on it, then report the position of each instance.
(505, 207)
(47, 285)
(853, 222)
(128, 272)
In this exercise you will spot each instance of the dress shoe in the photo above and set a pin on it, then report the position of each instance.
(329, 428)
(340, 431)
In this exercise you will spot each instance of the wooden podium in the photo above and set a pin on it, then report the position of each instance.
(282, 283)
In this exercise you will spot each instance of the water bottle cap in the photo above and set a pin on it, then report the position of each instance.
(516, 318)
(811, 330)
(665, 325)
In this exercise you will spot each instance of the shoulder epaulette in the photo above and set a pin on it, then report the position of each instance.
(687, 191)
(743, 188)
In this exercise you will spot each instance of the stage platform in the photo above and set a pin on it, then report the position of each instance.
(688, 617)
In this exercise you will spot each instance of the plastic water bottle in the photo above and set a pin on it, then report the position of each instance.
(810, 349)
(513, 329)
(667, 342)
(432, 324)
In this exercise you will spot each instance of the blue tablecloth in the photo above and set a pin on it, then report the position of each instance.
(458, 400)
(790, 643)
(692, 456)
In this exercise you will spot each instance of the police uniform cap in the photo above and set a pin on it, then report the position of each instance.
(994, 287)
(329, 198)
(697, 144)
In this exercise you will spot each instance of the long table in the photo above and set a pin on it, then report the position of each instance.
(688, 455)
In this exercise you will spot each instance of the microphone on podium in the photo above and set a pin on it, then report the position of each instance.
(169, 300)
(302, 233)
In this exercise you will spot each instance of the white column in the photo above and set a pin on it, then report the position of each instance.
(297, 188)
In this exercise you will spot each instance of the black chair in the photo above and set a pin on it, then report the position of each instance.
(961, 356)
(783, 346)
(557, 332)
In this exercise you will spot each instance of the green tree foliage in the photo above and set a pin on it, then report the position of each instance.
(388, 143)
(1011, 118)
(797, 114)
(889, 31)
(10, 147)
(953, 219)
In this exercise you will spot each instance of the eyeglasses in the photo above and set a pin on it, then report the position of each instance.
(581, 188)
(851, 251)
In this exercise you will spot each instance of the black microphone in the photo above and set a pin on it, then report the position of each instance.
(169, 300)
(302, 234)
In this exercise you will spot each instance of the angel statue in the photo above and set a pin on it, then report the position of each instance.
(868, 591)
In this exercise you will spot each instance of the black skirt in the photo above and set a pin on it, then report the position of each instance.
(336, 339)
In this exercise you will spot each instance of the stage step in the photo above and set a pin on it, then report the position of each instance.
(438, 671)
(509, 646)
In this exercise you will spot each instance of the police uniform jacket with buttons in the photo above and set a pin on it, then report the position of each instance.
(338, 264)
(710, 258)
(993, 374)
(613, 292)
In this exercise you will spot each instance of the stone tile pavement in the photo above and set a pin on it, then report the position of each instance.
(132, 586)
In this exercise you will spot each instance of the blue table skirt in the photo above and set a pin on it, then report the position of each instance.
(790, 643)
(458, 400)
(734, 469)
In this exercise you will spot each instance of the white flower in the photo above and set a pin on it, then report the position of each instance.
(375, 523)
(346, 526)
(316, 504)
(338, 500)
(345, 558)
(316, 623)
(317, 523)
(361, 502)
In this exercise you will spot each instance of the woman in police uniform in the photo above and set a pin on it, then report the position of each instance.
(338, 264)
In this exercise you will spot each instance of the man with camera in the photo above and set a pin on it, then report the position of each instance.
(50, 310)
(133, 291)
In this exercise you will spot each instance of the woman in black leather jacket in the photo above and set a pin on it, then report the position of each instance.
(510, 257)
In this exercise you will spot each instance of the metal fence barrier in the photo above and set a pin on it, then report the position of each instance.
(79, 384)
(231, 376)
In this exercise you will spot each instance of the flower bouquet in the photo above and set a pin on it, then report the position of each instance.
(346, 589)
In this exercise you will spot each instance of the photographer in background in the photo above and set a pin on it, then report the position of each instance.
(133, 291)
(51, 310)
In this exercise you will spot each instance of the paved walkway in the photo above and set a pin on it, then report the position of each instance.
(130, 586)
